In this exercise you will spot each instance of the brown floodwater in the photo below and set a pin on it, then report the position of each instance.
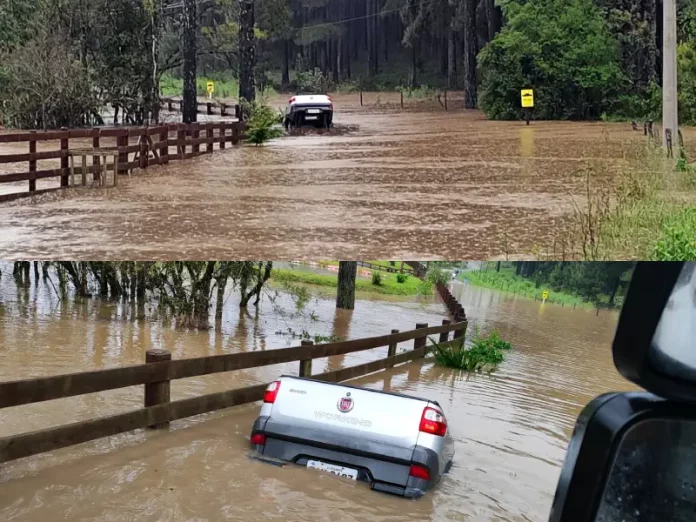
(419, 183)
(511, 427)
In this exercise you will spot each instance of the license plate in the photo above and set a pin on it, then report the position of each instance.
(311, 118)
(313, 111)
(333, 469)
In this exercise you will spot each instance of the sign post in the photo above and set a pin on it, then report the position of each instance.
(527, 96)
(544, 296)
(210, 87)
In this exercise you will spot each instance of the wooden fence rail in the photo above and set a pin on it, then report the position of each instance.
(147, 145)
(160, 370)
(177, 105)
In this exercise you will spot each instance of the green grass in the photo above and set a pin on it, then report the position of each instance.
(388, 285)
(484, 354)
(507, 281)
(677, 241)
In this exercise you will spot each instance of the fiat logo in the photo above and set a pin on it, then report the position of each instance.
(345, 404)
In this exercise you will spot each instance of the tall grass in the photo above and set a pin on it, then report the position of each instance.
(485, 353)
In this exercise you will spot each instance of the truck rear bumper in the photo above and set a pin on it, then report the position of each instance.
(384, 466)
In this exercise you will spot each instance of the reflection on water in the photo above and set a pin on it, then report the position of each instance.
(510, 427)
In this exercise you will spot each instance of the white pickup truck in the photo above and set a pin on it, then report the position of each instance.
(312, 109)
(397, 443)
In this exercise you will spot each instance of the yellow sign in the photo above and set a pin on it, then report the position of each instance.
(211, 87)
(545, 295)
(527, 98)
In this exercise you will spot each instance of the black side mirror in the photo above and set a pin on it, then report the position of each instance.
(632, 456)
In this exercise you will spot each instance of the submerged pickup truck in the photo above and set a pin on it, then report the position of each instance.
(397, 443)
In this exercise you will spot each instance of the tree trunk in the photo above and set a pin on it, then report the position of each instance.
(413, 67)
(470, 54)
(497, 267)
(370, 36)
(285, 80)
(451, 62)
(494, 16)
(347, 272)
(190, 112)
(247, 51)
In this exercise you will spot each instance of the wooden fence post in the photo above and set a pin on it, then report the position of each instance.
(32, 161)
(238, 112)
(458, 318)
(402, 106)
(181, 140)
(391, 352)
(445, 99)
(96, 133)
(157, 392)
(164, 151)
(444, 336)
(196, 133)
(143, 150)
(64, 147)
(361, 101)
(222, 132)
(123, 141)
(209, 107)
(419, 342)
(306, 364)
(223, 109)
(235, 133)
(209, 136)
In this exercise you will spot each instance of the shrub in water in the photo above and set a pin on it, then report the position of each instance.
(485, 353)
(262, 123)
(401, 278)
(376, 278)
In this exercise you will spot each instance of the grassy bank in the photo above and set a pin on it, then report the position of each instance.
(650, 214)
(389, 283)
(507, 281)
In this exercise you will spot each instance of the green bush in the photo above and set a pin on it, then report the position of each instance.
(401, 278)
(312, 81)
(560, 48)
(485, 353)
(678, 238)
(262, 122)
(437, 275)
(376, 278)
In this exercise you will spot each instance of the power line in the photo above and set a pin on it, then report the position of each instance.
(365, 17)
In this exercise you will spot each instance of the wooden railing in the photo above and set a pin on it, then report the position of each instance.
(177, 105)
(148, 146)
(159, 370)
(394, 269)
(453, 306)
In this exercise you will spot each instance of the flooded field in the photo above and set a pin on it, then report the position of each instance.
(511, 428)
(419, 183)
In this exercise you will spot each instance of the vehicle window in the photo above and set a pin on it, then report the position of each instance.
(654, 475)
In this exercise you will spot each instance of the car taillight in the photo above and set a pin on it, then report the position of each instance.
(258, 438)
(419, 472)
(292, 100)
(271, 392)
(433, 422)
(331, 106)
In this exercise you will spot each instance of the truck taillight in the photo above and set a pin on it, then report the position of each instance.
(271, 392)
(433, 422)
(292, 100)
(419, 472)
(258, 439)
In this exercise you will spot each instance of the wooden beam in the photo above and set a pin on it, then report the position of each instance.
(27, 391)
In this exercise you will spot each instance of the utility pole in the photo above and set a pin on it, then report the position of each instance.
(669, 74)
(190, 112)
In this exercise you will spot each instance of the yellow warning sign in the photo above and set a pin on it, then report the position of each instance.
(527, 98)
(545, 295)
(210, 86)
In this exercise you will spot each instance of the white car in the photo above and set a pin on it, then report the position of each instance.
(310, 109)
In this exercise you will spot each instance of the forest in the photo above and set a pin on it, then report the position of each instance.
(63, 61)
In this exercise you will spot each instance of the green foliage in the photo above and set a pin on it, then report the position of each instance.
(485, 353)
(560, 48)
(436, 275)
(376, 278)
(312, 81)
(262, 123)
(401, 278)
(389, 285)
(678, 238)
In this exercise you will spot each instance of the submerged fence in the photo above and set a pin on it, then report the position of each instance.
(132, 147)
(159, 370)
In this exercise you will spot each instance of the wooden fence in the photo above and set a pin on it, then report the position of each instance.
(222, 108)
(159, 370)
(147, 145)
(453, 306)
(400, 269)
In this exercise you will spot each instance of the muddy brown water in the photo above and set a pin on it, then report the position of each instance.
(419, 183)
(511, 428)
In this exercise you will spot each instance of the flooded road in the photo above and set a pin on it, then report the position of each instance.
(511, 428)
(386, 183)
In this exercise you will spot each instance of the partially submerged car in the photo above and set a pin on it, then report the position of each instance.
(398, 443)
(311, 109)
